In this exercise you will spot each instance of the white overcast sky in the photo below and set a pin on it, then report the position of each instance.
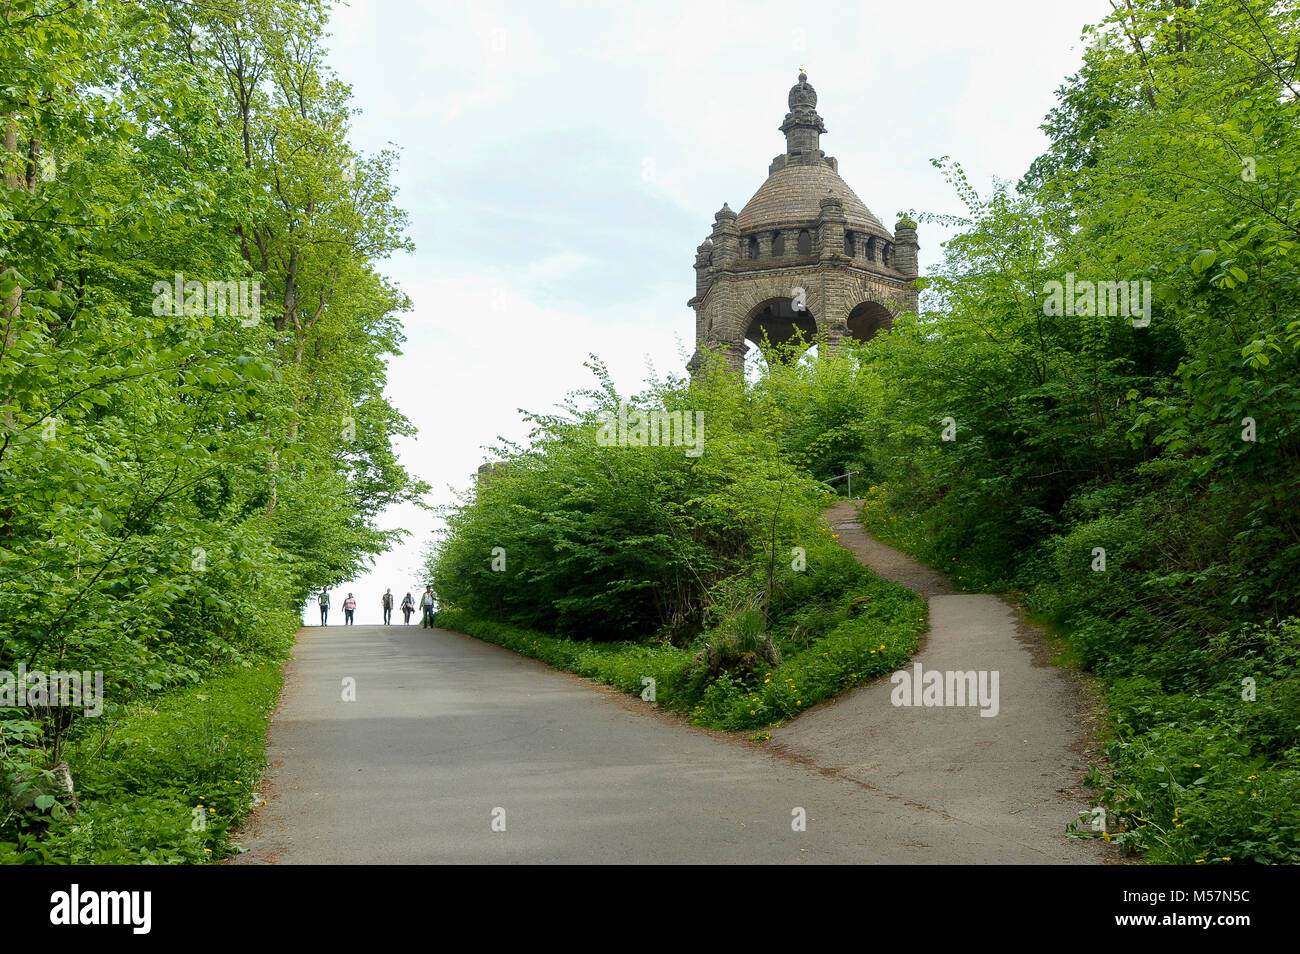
(560, 162)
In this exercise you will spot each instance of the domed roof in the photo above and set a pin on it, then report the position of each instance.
(792, 196)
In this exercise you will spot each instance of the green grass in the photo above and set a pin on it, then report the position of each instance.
(851, 651)
(145, 774)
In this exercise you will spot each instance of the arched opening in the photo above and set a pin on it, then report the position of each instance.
(780, 323)
(778, 244)
(848, 243)
(805, 242)
(886, 255)
(869, 319)
(753, 247)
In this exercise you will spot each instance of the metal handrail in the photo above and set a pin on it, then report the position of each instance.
(849, 475)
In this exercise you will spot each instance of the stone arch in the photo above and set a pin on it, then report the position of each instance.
(778, 320)
(756, 289)
(804, 243)
(867, 319)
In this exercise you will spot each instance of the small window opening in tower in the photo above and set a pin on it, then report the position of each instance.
(753, 247)
(778, 244)
(848, 244)
(805, 243)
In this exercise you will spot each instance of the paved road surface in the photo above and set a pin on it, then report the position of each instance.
(446, 729)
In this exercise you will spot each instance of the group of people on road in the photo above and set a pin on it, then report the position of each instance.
(386, 602)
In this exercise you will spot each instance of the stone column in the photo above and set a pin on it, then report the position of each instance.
(905, 257)
(830, 230)
(833, 322)
(726, 240)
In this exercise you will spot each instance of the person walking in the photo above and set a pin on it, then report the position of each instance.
(349, 608)
(387, 602)
(426, 607)
(324, 605)
(408, 607)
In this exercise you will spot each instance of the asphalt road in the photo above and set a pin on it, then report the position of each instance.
(449, 739)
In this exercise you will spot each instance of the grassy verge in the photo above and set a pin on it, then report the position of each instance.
(162, 781)
(870, 629)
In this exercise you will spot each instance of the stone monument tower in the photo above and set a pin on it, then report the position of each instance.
(804, 255)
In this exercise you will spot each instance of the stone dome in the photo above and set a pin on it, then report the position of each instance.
(792, 196)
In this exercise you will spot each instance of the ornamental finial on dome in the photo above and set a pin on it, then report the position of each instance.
(801, 94)
(802, 126)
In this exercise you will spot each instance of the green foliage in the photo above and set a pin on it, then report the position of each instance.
(617, 542)
(174, 485)
(843, 652)
(1172, 447)
(146, 769)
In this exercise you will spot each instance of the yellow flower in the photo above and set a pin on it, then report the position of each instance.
(798, 703)
(1105, 836)
(1226, 858)
(208, 850)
